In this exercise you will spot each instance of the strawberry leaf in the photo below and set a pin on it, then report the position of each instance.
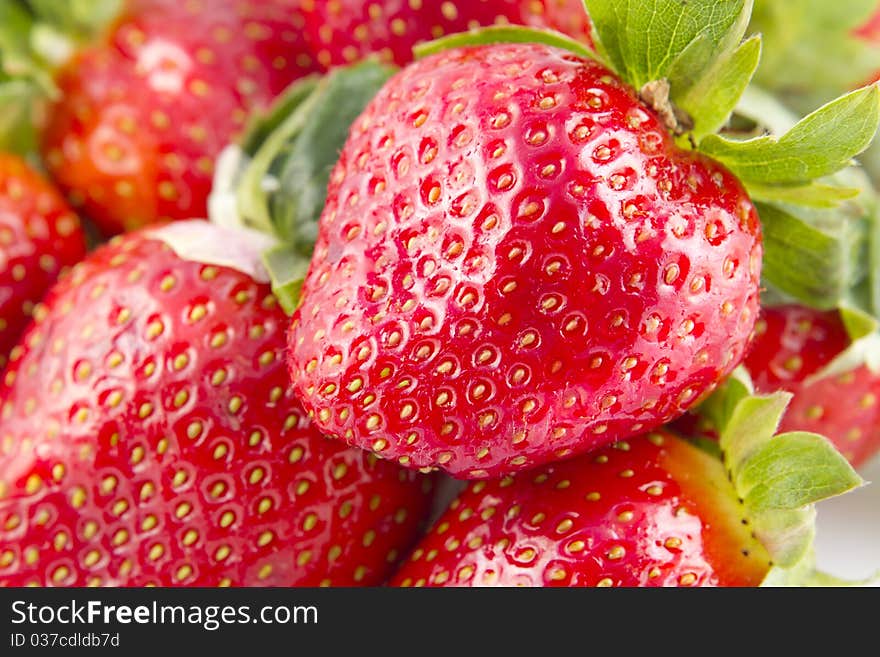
(287, 270)
(720, 405)
(82, 19)
(820, 144)
(693, 45)
(18, 58)
(655, 39)
(503, 34)
(819, 237)
(813, 263)
(780, 477)
(21, 108)
(712, 99)
(811, 195)
(263, 124)
(284, 188)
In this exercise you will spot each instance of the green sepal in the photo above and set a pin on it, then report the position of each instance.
(80, 20)
(22, 108)
(694, 45)
(284, 187)
(37, 36)
(287, 271)
(720, 405)
(820, 237)
(712, 99)
(813, 262)
(820, 144)
(811, 195)
(262, 124)
(504, 34)
(779, 478)
(655, 39)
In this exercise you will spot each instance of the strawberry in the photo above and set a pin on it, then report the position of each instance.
(149, 435)
(39, 236)
(144, 112)
(651, 511)
(342, 31)
(519, 269)
(870, 32)
(794, 343)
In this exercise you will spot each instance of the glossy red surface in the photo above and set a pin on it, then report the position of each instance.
(39, 236)
(516, 264)
(638, 514)
(149, 436)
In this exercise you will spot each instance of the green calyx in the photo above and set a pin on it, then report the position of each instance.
(778, 477)
(35, 37)
(275, 180)
(821, 242)
(696, 47)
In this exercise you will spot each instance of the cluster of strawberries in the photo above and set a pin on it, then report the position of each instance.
(534, 264)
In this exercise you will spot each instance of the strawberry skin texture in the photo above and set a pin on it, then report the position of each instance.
(39, 237)
(653, 511)
(515, 270)
(791, 344)
(149, 436)
(143, 115)
(342, 31)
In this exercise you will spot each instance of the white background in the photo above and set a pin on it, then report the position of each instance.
(848, 529)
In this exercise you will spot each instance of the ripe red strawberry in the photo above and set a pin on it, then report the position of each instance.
(39, 236)
(794, 343)
(518, 270)
(144, 113)
(653, 511)
(149, 436)
(342, 31)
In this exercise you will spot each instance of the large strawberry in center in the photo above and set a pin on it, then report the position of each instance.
(516, 263)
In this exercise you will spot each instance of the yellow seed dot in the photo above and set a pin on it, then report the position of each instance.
(615, 553)
(183, 572)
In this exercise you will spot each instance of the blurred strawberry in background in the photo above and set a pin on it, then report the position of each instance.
(342, 31)
(39, 236)
(144, 110)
